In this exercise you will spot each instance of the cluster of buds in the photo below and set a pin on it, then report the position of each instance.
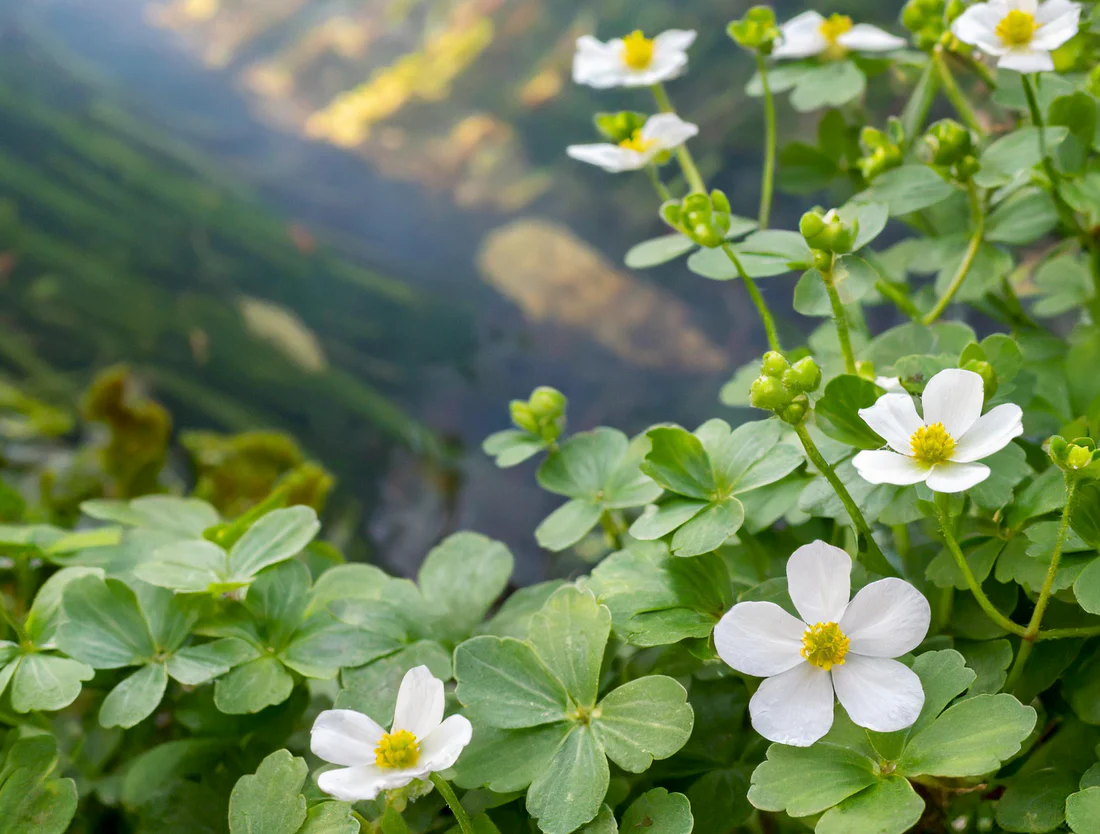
(1077, 458)
(782, 387)
(881, 149)
(543, 415)
(827, 235)
(947, 144)
(757, 31)
(619, 127)
(930, 21)
(705, 218)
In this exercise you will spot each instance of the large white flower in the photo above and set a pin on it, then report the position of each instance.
(1020, 33)
(943, 448)
(633, 61)
(811, 34)
(419, 743)
(660, 133)
(838, 646)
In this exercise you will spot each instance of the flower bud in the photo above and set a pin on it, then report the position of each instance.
(795, 413)
(988, 375)
(547, 403)
(945, 143)
(812, 224)
(774, 364)
(881, 151)
(804, 376)
(769, 394)
(756, 31)
(619, 127)
(523, 417)
(828, 233)
(823, 261)
(925, 19)
(966, 167)
(1078, 457)
(703, 218)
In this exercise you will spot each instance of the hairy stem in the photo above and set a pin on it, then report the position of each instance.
(683, 155)
(955, 95)
(768, 185)
(840, 319)
(876, 561)
(448, 794)
(977, 213)
(757, 298)
(964, 567)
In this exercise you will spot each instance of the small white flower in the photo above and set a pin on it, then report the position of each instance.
(633, 61)
(810, 34)
(661, 133)
(1020, 33)
(942, 449)
(419, 743)
(838, 646)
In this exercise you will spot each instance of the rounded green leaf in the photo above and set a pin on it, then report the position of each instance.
(135, 698)
(270, 802)
(658, 250)
(909, 188)
(889, 806)
(1083, 811)
(582, 465)
(30, 801)
(461, 578)
(252, 686)
(188, 567)
(274, 538)
(568, 524)
(1035, 802)
(104, 625)
(46, 682)
(372, 688)
(503, 684)
(570, 790)
(678, 462)
(710, 528)
(809, 780)
(645, 719)
(658, 812)
(838, 411)
(508, 760)
(195, 665)
(569, 635)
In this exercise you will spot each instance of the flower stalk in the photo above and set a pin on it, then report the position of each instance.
(955, 94)
(840, 318)
(757, 298)
(448, 794)
(768, 184)
(683, 155)
(977, 213)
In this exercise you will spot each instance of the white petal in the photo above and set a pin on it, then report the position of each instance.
(668, 130)
(759, 639)
(886, 467)
(956, 477)
(598, 64)
(1053, 10)
(878, 693)
(609, 157)
(441, 748)
(674, 40)
(663, 67)
(891, 384)
(990, 434)
(800, 37)
(954, 397)
(978, 26)
(344, 737)
(795, 707)
(1059, 30)
(1026, 60)
(894, 418)
(886, 619)
(1029, 6)
(866, 38)
(819, 582)
(352, 784)
(419, 702)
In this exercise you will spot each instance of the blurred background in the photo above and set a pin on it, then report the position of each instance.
(354, 221)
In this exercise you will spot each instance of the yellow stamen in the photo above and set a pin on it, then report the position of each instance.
(834, 26)
(637, 143)
(399, 749)
(824, 645)
(1017, 28)
(637, 50)
(932, 444)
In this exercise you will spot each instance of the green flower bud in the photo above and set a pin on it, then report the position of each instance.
(967, 167)
(619, 127)
(523, 416)
(1079, 456)
(828, 233)
(756, 31)
(703, 218)
(672, 213)
(769, 394)
(795, 413)
(804, 376)
(988, 375)
(953, 10)
(774, 364)
(945, 143)
(823, 261)
(547, 403)
(812, 224)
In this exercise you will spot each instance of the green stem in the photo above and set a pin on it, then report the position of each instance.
(964, 568)
(840, 319)
(768, 185)
(13, 624)
(683, 155)
(1061, 633)
(955, 95)
(899, 297)
(757, 299)
(978, 68)
(613, 527)
(1027, 641)
(659, 187)
(920, 103)
(448, 794)
(876, 561)
(977, 213)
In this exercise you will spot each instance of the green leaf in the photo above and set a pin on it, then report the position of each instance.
(186, 517)
(990, 660)
(512, 447)
(46, 682)
(199, 664)
(659, 250)
(583, 463)
(276, 537)
(188, 567)
(252, 686)
(658, 812)
(943, 676)
(645, 719)
(854, 278)
(323, 645)
(569, 635)
(718, 800)
(1025, 217)
(568, 524)
(658, 520)
(508, 760)
(604, 823)
(970, 738)
(513, 619)
(461, 579)
(748, 457)
(1005, 159)
(1083, 811)
(889, 806)
(503, 683)
(872, 219)
(134, 699)
(1008, 468)
(330, 818)
(678, 462)
(710, 528)
(104, 625)
(1087, 587)
(372, 689)
(1036, 803)
(43, 618)
(269, 802)
(838, 411)
(830, 84)
(908, 189)
(569, 791)
(808, 780)
(31, 801)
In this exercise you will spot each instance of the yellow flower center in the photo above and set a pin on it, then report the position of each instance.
(824, 645)
(637, 143)
(399, 749)
(831, 29)
(637, 50)
(1017, 28)
(932, 444)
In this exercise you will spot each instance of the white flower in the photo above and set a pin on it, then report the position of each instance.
(660, 133)
(942, 449)
(811, 34)
(419, 743)
(838, 646)
(1020, 33)
(633, 61)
